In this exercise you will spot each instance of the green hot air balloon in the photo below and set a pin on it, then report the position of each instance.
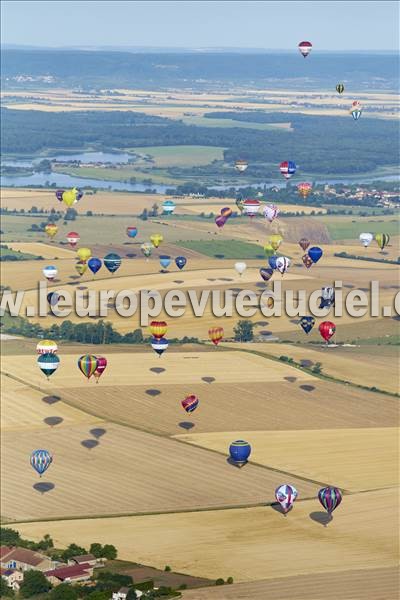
(382, 239)
(340, 88)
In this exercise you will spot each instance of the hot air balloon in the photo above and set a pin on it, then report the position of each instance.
(315, 253)
(240, 267)
(307, 323)
(356, 104)
(131, 231)
(70, 197)
(87, 364)
(50, 272)
(356, 113)
(366, 239)
(158, 329)
(251, 207)
(220, 221)
(159, 345)
(266, 274)
(48, 363)
(156, 239)
(112, 262)
(340, 88)
(239, 204)
(100, 368)
(41, 460)
(327, 297)
(168, 207)
(287, 168)
(304, 189)
(286, 495)
(53, 298)
(304, 243)
(282, 264)
(271, 212)
(307, 262)
(382, 239)
(305, 48)
(239, 452)
(327, 330)
(51, 230)
(73, 238)
(275, 241)
(190, 403)
(272, 261)
(241, 165)
(330, 498)
(180, 262)
(146, 249)
(94, 264)
(226, 212)
(81, 267)
(216, 334)
(84, 254)
(165, 261)
(47, 347)
(59, 194)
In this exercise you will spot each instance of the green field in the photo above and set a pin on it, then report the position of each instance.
(181, 156)
(123, 174)
(224, 248)
(349, 227)
(4, 251)
(207, 122)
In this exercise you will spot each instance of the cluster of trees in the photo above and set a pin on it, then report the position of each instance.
(368, 258)
(11, 537)
(244, 331)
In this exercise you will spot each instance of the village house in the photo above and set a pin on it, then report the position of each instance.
(82, 559)
(122, 594)
(23, 559)
(12, 577)
(70, 574)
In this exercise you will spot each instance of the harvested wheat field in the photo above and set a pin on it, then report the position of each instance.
(48, 251)
(249, 544)
(352, 459)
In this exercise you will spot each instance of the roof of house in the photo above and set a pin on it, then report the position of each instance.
(83, 558)
(4, 550)
(6, 572)
(123, 590)
(70, 571)
(26, 556)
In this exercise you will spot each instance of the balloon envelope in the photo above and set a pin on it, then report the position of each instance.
(240, 267)
(48, 363)
(282, 264)
(307, 323)
(87, 364)
(330, 498)
(272, 261)
(131, 231)
(165, 261)
(159, 345)
(50, 272)
(46, 346)
(190, 403)
(156, 239)
(340, 88)
(158, 329)
(382, 239)
(266, 274)
(271, 212)
(304, 243)
(94, 264)
(180, 262)
(73, 238)
(305, 48)
(84, 254)
(100, 367)
(216, 334)
(315, 253)
(41, 460)
(112, 262)
(366, 239)
(286, 496)
(327, 330)
(239, 452)
(220, 221)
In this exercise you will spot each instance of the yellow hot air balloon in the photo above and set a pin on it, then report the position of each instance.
(275, 241)
(84, 254)
(81, 267)
(156, 239)
(51, 230)
(382, 239)
(268, 249)
(69, 197)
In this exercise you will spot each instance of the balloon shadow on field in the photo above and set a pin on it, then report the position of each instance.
(153, 392)
(186, 425)
(290, 379)
(130, 255)
(305, 362)
(53, 421)
(81, 287)
(157, 370)
(232, 463)
(208, 379)
(178, 281)
(89, 444)
(97, 432)
(43, 486)
(278, 508)
(51, 399)
(307, 388)
(323, 518)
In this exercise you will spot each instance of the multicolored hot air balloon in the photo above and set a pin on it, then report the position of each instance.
(158, 329)
(287, 168)
(382, 239)
(239, 452)
(216, 334)
(51, 230)
(50, 272)
(220, 221)
(165, 261)
(286, 495)
(156, 239)
(168, 207)
(190, 403)
(266, 274)
(282, 264)
(330, 498)
(241, 165)
(48, 363)
(146, 249)
(70, 197)
(304, 243)
(159, 345)
(366, 239)
(47, 347)
(305, 48)
(87, 364)
(275, 241)
(251, 207)
(112, 262)
(84, 254)
(180, 262)
(226, 212)
(327, 330)
(81, 267)
(240, 267)
(271, 212)
(41, 460)
(73, 238)
(304, 189)
(307, 262)
(100, 367)
(131, 231)
(327, 297)
(94, 264)
(315, 253)
(239, 204)
(340, 88)
(307, 323)
(59, 194)
(356, 113)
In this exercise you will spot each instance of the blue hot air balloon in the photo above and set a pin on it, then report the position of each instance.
(307, 323)
(112, 262)
(159, 345)
(180, 262)
(41, 460)
(165, 261)
(53, 298)
(94, 264)
(315, 253)
(272, 261)
(239, 452)
(266, 274)
(48, 363)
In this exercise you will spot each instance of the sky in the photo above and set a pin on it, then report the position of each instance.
(329, 25)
